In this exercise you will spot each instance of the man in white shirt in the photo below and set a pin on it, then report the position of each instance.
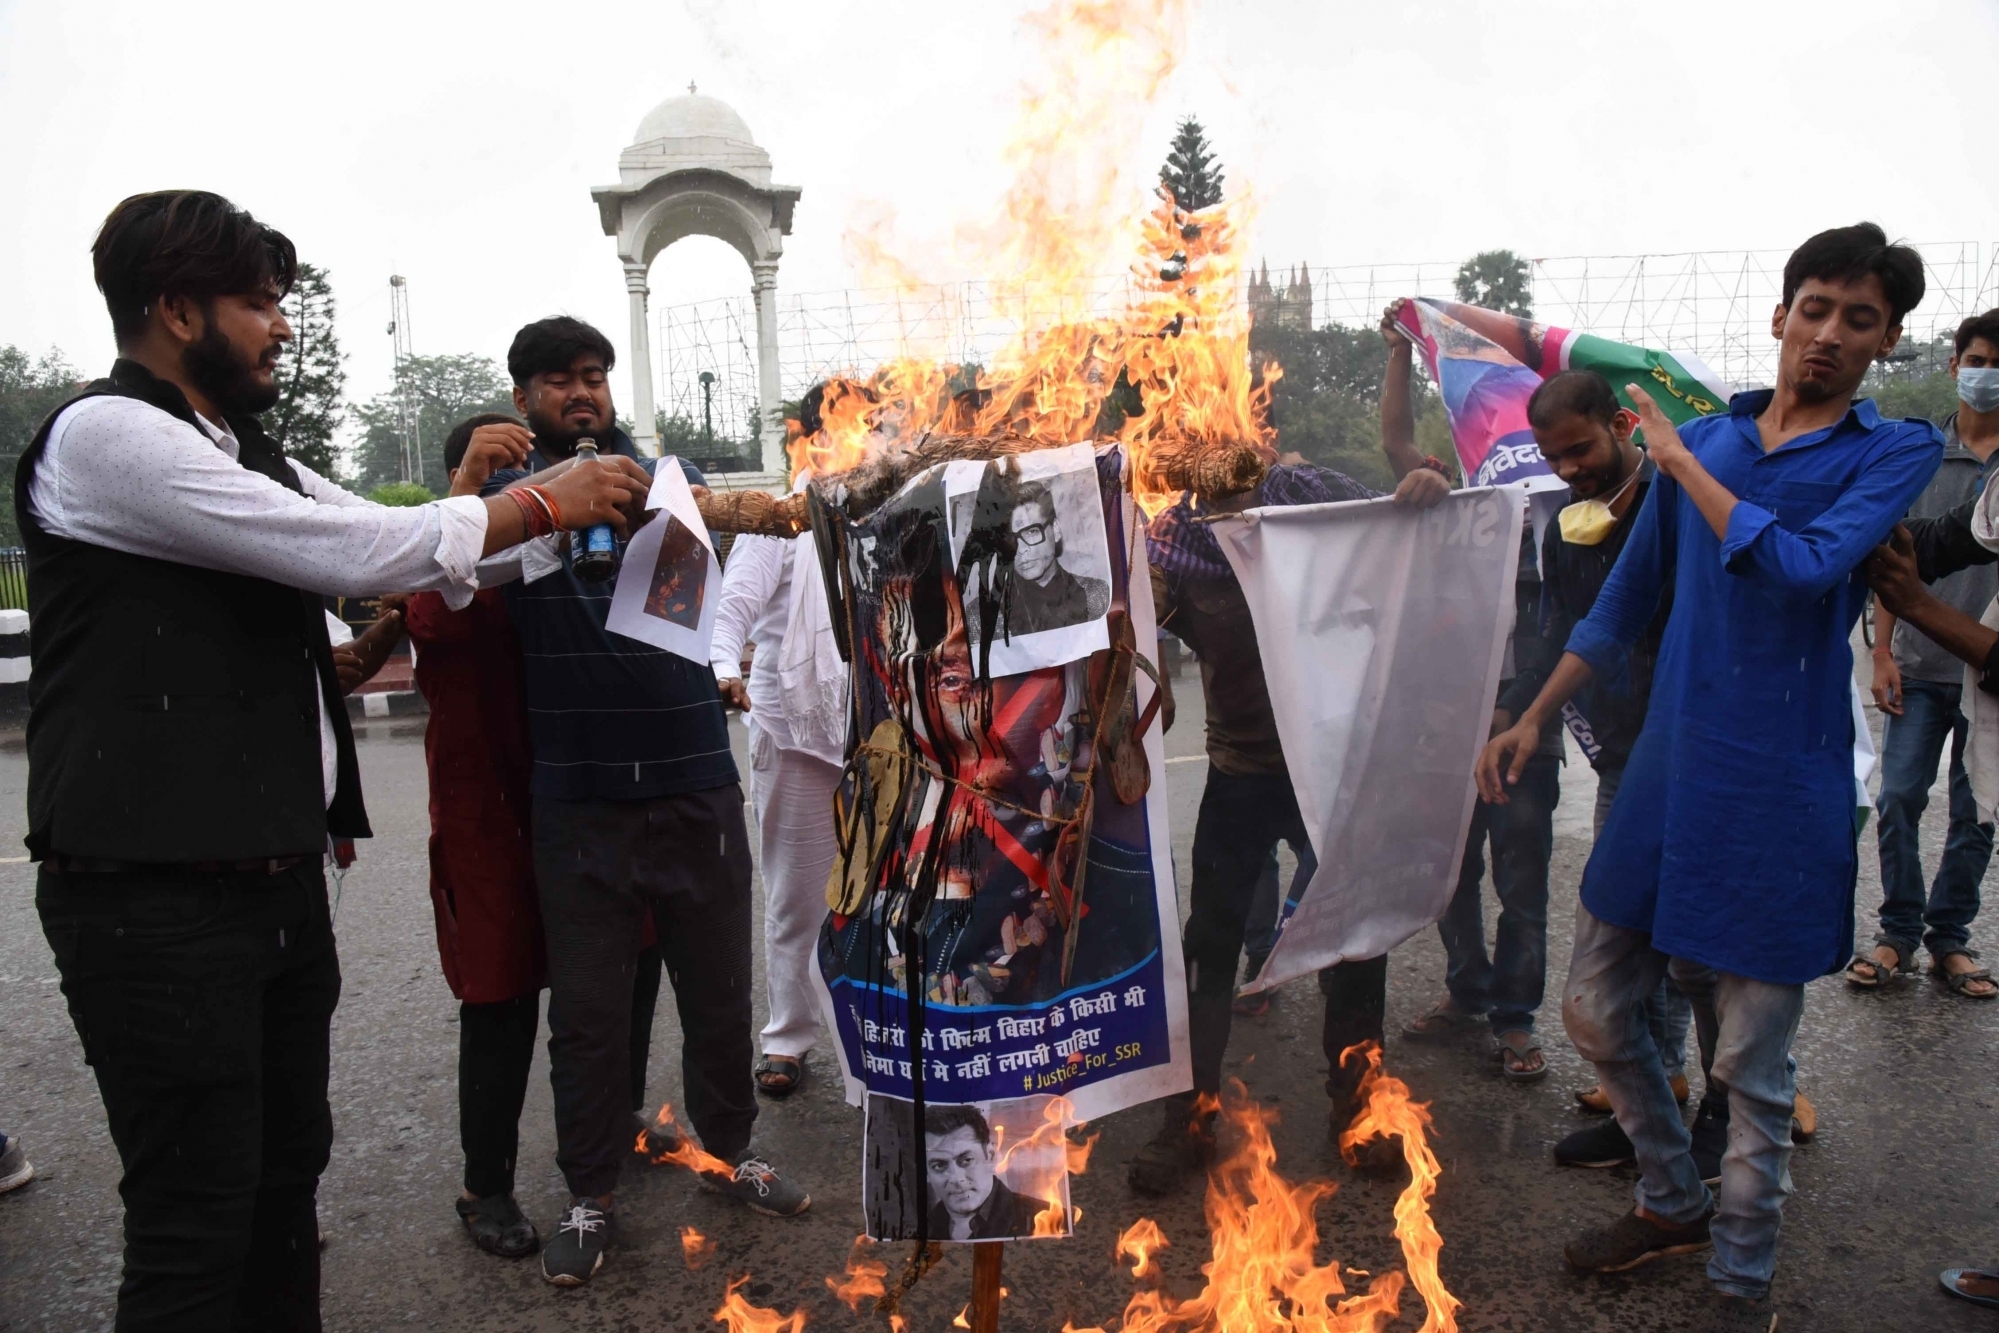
(189, 754)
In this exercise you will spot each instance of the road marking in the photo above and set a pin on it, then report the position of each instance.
(1178, 759)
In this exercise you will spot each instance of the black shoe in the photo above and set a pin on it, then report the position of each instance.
(1632, 1240)
(1740, 1314)
(577, 1252)
(654, 1143)
(1710, 1133)
(758, 1185)
(1183, 1147)
(1378, 1156)
(1603, 1144)
(498, 1226)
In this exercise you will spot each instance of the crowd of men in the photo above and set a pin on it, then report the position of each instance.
(192, 769)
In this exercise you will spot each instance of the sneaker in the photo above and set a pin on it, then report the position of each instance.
(1182, 1148)
(1597, 1100)
(15, 1168)
(577, 1252)
(1710, 1133)
(498, 1226)
(1740, 1314)
(758, 1185)
(1601, 1145)
(1633, 1240)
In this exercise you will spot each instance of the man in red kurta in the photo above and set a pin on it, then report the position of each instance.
(482, 886)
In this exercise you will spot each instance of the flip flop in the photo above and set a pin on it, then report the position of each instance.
(1948, 1278)
(1513, 1058)
(789, 1068)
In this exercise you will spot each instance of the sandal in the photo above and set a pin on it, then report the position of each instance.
(497, 1226)
(1515, 1049)
(1961, 982)
(778, 1076)
(1442, 1022)
(1804, 1118)
(1877, 973)
(1950, 1280)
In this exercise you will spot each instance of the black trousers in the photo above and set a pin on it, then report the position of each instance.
(600, 865)
(204, 1004)
(1242, 820)
(495, 1052)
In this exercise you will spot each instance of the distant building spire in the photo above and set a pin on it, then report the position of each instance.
(690, 87)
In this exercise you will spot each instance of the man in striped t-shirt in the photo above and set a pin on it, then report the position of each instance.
(636, 807)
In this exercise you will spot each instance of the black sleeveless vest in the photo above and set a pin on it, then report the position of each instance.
(174, 709)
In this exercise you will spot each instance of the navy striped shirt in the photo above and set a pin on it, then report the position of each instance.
(611, 719)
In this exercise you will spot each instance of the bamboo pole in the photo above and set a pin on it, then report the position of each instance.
(987, 1256)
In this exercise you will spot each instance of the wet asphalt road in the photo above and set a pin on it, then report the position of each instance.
(1893, 1189)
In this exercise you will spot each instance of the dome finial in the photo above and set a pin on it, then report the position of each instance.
(690, 87)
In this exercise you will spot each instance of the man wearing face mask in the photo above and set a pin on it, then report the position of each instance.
(1919, 685)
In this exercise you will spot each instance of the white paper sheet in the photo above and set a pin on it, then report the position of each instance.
(1382, 634)
(670, 581)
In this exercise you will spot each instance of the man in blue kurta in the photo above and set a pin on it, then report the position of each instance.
(1731, 843)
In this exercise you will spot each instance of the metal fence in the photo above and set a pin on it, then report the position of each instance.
(13, 579)
(1714, 304)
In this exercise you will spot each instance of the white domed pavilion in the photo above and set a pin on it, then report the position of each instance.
(694, 169)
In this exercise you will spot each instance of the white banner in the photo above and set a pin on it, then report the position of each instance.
(1383, 632)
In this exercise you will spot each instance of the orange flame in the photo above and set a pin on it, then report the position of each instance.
(686, 1153)
(1141, 1241)
(695, 1248)
(1264, 1276)
(1169, 364)
(1056, 1122)
(1387, 1110)
(742, 1317)
(864, 1278)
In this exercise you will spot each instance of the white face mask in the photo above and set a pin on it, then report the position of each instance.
(1978, 387)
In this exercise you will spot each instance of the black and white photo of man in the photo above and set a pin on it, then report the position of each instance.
(968, 1201)
(1046, 595)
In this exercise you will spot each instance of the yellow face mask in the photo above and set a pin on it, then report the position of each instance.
(1588, 522)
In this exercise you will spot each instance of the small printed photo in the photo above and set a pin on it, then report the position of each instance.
(679, 576)
(1034, 554)
(978, 1171)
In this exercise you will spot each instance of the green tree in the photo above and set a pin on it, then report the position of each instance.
(30, 389)
(1327, 404)
(401, 494)
(1191, 172)
(1497, 280)
(1916, 382)
(311, 378)
(446, 390)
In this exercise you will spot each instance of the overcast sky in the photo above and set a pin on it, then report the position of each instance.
(457, 143)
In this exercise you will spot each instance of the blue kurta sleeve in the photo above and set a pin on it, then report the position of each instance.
(1803, 566)
(1630, 596)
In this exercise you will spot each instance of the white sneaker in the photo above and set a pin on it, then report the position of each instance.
(15, 1168)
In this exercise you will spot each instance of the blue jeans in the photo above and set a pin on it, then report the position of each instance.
(1507, 986)
(1610, 974)
(1668, 1012)
(1909, 754)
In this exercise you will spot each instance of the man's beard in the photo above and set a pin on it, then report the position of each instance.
(556, 438)
(229, 379)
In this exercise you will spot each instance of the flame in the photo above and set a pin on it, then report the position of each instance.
(742, 1317)
(1387, 1110)
(688, 1154)
(864, 1277)
(1057, 1119)
(1140, 1241)
(960, 1321)
(695, 1248)
(1264, 1276)
(1168, 366)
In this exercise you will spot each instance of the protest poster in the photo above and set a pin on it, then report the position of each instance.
(670, 582)
(1003, 923)
(991, 1170)
(1486, 364)
(1383, 634)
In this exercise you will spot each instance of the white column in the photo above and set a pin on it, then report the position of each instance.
(643, 433)
(768, 395)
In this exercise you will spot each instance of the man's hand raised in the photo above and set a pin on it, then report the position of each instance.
(1392, 331)
(1424, 488)
(498, 445)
